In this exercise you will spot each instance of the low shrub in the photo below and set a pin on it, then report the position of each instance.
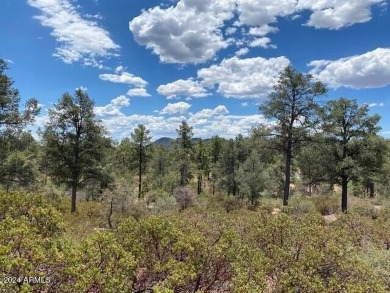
(184, 196)
(301, 205)
(326, 205)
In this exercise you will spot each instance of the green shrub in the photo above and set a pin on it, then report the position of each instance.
(299, 205)
(197, 250)
(29, 228)
(98, 264)
(364, 208)
(326, 205)
(231, 203)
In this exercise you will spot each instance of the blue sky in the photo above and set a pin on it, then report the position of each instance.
(210, 62)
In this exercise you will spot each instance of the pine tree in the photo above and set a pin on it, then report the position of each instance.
(141, 139)
(184, 151)
(346, 125)
(292, 105)
(73, 141)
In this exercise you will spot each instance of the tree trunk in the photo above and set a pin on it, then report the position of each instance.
(200, 183)
(344, 194)
(140, 171)
(287, 179)
(74, 195)
(371, 189)
(182, 176)
(110, 214)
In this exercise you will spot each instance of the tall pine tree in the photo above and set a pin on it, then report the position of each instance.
(73, 142)
(292, 105)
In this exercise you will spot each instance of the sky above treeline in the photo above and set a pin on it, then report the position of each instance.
(210, 62)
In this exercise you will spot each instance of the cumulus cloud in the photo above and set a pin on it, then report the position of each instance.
(119, 69)
(233, 77)
(263, 30)
(228, 126)
(328, 14)
(262, 12)
(208, 113)
(243, 78)
(189, 32)
(114, 108)
(185, 88)
(78, 39)
(369, 70)
(231, 30)
(242, 52)
(261, 42)
(123, 126)
(193, 31)
(175, 108)
(124, 77)
(338, 14)
(138, 92)
(224, 125)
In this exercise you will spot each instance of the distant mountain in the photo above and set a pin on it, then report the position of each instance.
(164, 141)
(168, 142)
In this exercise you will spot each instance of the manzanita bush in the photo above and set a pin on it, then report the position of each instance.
(192, 251)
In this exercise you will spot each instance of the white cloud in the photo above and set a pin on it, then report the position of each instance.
(242, 52)
(262, 12)
(123, 126)
(175, 108)
(189, 32)
(333, 14)
(82, 88)
(260, 42)
(120, 101)
(230, 31)
(376, 105)
(193, 31)
(220, 110)
(114, 108)
(227, 126)
(369, 70)
(124, 77)
(119, 69)
(263, 30)
(138, 92)
(185, 88)
(208, 113)
(244, 78)
(79, 39)
(329, 14)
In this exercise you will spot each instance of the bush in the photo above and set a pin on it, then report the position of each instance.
(326, 205)
(231, 203)
(29, 228)
(153, 196)
(364, 208)
(167, 204)
(301, 205)
(194, 251)
(269, 204)
(98, 264)
(184, 196)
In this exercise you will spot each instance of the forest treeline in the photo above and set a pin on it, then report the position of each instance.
(309, 146)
